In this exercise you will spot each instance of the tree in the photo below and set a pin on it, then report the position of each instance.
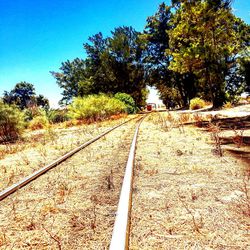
(244, 58)
(156, 41)
(238, 76)
(125, 63)
(204, 41)
(42, 102)
(23, 95)
(115, 63)
(245, 71)
(157, 61)
(95, 50)
(192, 48)
(171, 97)
(73, 80)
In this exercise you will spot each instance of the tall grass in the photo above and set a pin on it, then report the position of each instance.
(57, 115)
(39, 122)
(11, 122)
(197, 103)
(95, 107)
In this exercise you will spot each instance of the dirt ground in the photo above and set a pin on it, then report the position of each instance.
(185, 195)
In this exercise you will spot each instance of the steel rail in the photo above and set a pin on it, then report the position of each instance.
(13, 188)
(121, 230)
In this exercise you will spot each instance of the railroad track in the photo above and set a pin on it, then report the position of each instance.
(120, 237)
(121, 228)
(13, 188)
(87, 220)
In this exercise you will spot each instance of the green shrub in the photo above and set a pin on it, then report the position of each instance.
(197, 103)
(128, 101)
(95, 107)
(57, 115)
(11, 122)
(32, 112)
(39, 122)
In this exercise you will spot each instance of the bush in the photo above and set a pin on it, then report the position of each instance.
(95, 107)
(128, 101)
(57, 115)
(39, 122)
(11, 122)
(197, 103)
(32, 112)
(227, 105)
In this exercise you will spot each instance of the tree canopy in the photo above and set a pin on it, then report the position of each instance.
(23, 95)
(191, 48)
(205, 41)
(71, 79)
(113, 64)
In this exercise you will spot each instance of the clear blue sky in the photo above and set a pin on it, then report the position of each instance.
(37, 35)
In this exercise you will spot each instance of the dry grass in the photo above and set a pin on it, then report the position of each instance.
(185, 197)
(73, 206)
(41, 147)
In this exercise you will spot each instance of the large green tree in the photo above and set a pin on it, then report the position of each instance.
(113, 64)
(23, 95)
(205, 42)
(172, 85)
(72, 79)
(156, 42)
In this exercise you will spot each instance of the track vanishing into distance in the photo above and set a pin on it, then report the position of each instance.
(104, 197)
(120, 235)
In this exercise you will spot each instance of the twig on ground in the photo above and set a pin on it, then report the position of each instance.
(53, 237)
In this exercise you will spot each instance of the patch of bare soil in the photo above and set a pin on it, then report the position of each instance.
(72, 206)
(38, 148)
(185, 195)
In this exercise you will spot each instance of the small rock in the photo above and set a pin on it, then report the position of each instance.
(179, 152)
(234, 196)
